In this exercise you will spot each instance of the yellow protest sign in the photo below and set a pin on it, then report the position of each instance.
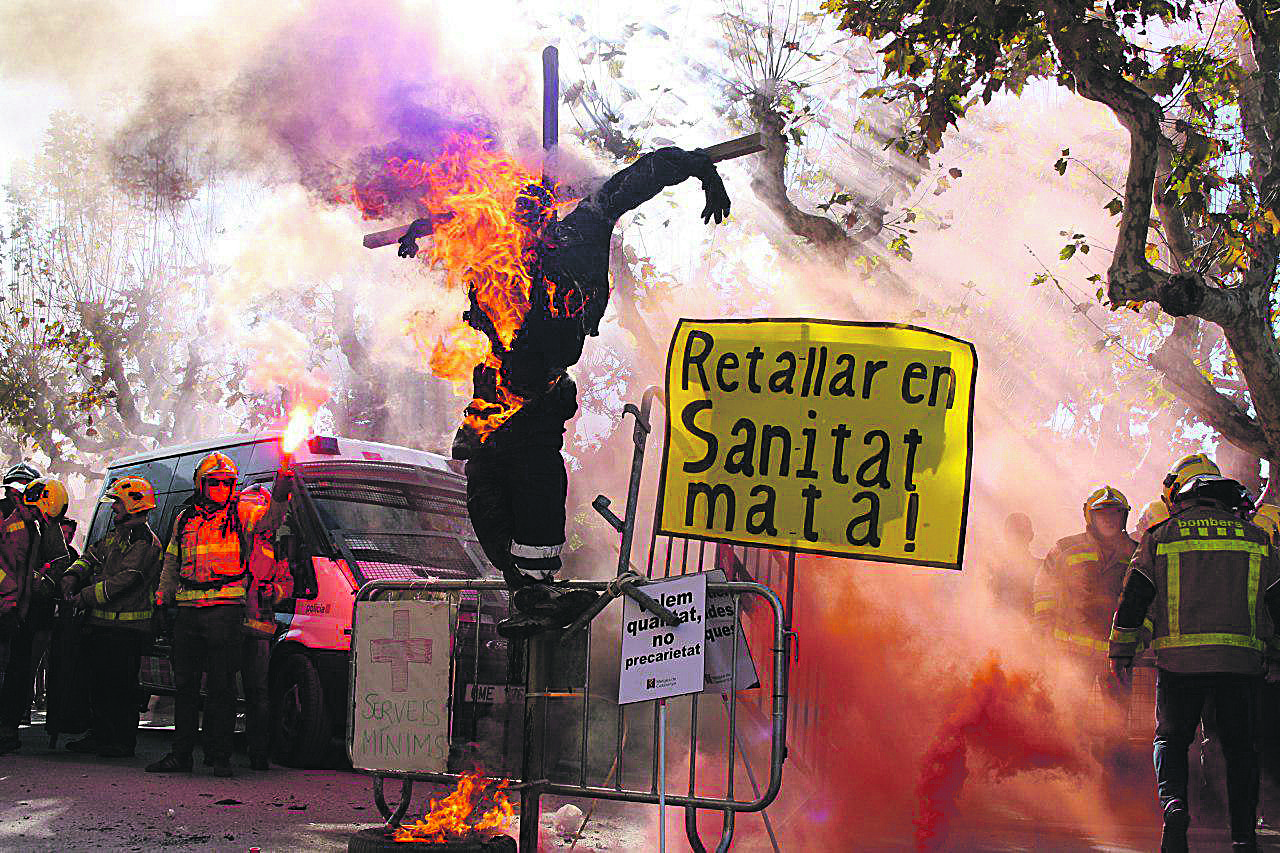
(850, 439)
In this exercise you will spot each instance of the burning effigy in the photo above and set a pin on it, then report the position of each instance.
(538, 286)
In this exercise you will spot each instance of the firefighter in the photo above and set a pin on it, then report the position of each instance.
(204, 573)
(51, 497)
(1011, 583)
(270, 582)
(516, 480)
(1208, 577)
(31, 550)
(1267, 516)
(114, 582)
(1076, 590)
(1152, 514)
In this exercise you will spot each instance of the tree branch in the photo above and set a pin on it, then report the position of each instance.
(1175, 362)
(769, 183)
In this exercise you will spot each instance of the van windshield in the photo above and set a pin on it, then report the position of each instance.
(398, 530)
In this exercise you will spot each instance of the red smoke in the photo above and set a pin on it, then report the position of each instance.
(1005, 723)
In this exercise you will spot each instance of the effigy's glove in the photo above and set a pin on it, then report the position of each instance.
(717, 206)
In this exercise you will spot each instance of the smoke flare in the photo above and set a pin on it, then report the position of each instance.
(1007, 722)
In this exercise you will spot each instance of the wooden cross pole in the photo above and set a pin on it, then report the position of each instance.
(727, 150)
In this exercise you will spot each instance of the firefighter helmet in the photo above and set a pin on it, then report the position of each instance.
(1194, 465)
(1107, 497)
(215, 464)
(22, 473)
(134, 493)
(1267, 517)
(48, 494)
(1216, 489)
(1152, 514)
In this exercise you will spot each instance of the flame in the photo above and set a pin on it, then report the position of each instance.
(298, 428)
(454, 354)
(452, 817)
(470, 190)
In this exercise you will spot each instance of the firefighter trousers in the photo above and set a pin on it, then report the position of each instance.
(254, 666)
(515, 498)
(8, 628)
(1180, 701)
(15, 694)
(206, 642)
(115, 655)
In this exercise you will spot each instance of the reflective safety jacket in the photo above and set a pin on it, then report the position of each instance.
(270, 581)
(1212, 578)
(206, 561)
(30, 545)
(1076, 591)
(118, 575)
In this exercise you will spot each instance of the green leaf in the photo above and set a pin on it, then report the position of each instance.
(1067, 251)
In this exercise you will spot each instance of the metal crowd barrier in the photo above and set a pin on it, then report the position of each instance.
(548, 708)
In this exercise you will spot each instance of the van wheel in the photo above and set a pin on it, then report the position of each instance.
(300, 721)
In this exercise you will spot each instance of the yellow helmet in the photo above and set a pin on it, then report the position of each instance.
(214, 464)
(134, 493)
(1268, 518)
(48, 494)
(1152, 514)
(1194, 465)
(1107, 497)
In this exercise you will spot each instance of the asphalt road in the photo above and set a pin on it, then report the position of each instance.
(54, 800)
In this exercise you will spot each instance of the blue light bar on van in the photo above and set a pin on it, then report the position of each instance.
(323, 445)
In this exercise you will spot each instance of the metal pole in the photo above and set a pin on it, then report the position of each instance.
(662, 776)
(550, 96)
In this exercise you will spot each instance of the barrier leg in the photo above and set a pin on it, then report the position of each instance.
(390, 815)
(531, 766)
(691, 830)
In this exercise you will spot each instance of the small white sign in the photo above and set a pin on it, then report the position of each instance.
(660, 660)
(400, 664)
(721, 628)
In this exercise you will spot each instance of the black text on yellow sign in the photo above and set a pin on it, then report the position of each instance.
(851, 439)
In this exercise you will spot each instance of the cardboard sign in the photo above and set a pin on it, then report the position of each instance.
(721, 630)
(400, 668)
(661, 660)
(850, 439)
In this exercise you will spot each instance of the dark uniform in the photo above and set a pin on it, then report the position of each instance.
(1212, 578)
(117, 576)
(516, 480)
(33, 552)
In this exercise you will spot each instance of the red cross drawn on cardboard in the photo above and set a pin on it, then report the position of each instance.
(400, 650)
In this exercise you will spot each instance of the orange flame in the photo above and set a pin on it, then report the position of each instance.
(451, 818)
(470, 190)
(298, 429)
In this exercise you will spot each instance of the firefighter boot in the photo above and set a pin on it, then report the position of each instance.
(1176, 821)
(521, 626)
(170, 764)
(86, 745)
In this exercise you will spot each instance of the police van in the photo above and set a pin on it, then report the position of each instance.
(361, 511)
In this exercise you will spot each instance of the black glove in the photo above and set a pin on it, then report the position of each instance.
(70, 585)
(409, 242)
(162, 621)
(283, 485)
(717, 199)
